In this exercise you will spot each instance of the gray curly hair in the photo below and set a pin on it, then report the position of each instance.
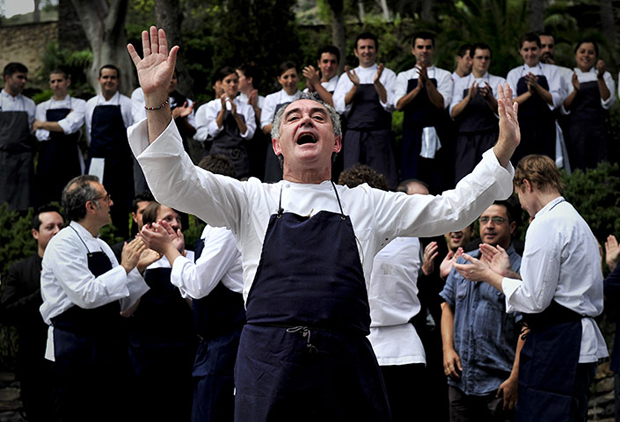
(275, 129)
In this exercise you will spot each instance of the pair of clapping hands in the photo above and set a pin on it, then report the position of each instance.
(163, 239)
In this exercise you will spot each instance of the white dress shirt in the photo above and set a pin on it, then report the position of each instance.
(443, 78)
(66, 280)
(549, 71)
(70, 124)
(246, 207)
(117, 99)
(561, 262)
(213, 108)
(466, 82)
(393, 299)
(220, 261)
(366, 75)
(268, 111)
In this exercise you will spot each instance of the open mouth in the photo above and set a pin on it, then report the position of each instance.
(306, 138)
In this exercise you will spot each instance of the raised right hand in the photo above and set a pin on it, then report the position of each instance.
(155, 69)
(352, 75)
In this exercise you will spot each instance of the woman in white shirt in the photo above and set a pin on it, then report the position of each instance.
(590, 97)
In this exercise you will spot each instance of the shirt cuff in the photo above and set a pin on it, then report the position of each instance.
(509, 286)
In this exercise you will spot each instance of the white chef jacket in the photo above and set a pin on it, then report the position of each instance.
(246, 207)
(561, 262)
(393, 299)
(66, 280)
(70, 124)
(466, 82)
(18, 103)
(551, 73)
(268, 111)
(443, 78)
(366, 75)
(590, 76)
(220, 261)
(212, 109)
(117, 99)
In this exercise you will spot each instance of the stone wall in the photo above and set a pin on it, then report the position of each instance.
(26, 44)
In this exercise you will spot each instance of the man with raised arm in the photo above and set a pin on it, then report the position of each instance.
(307, 248)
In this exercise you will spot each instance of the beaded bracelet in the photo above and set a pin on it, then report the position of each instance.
(159, 107)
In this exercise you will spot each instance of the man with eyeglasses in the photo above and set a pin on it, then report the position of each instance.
(480, 340)
(474, 109)
(84, 291)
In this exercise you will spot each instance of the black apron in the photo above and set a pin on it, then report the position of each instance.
(304, 354)
(273, 168)
(230, 143)
(90, 358)
(162, 348)
(536, 122)
(369, 138)
(478, 131)
(16, 160)
(58, 160)
(418, 114)
(548, 365)
(587, 136)
(108, 139)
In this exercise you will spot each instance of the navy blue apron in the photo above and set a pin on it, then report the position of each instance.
(537, 123)
(418, 114)
(108, 139)
(230, 143)
(58, 160)
(587, 136)
(478, 131)
(162, 347)
(219, 318)
(369, 138)
(304, 354)
(90, 358)
(273, 168)
(16, 159)
(548, 365)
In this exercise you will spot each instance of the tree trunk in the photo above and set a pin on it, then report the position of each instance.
(338, 38)
(36, 15)
(537, 15)
(169, 16)
(362, 13)
(104, 25)
(607, 24)
(385, 9)
(427, 11)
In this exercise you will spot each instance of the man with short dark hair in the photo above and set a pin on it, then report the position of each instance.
(365, 96)
(423, 93)
(537, 89)
(479, 340)
(560, 293)
(463, 62)
(20, 304)
(58, 125)
(84, 290)
(307, 248)
(108, 115)
(474, 108)
(16, 145)
(325, 84)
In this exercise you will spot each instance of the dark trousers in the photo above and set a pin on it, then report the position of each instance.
(581, 391)
(406, 392)
(469, 408)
